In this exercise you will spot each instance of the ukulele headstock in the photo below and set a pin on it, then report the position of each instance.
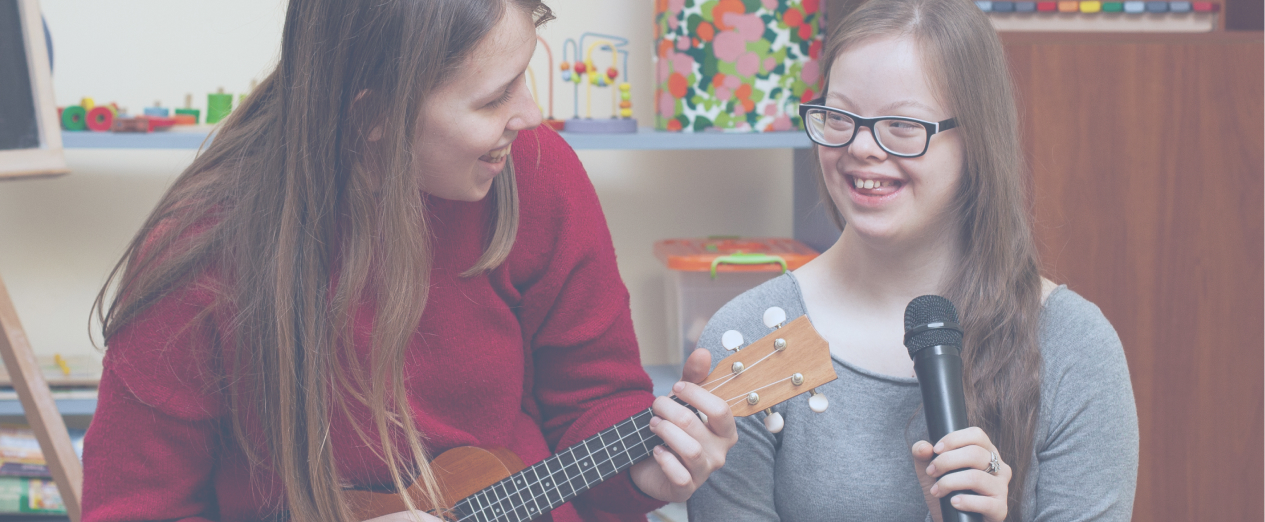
(791, 360)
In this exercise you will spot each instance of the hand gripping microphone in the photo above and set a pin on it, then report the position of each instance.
(934, 340)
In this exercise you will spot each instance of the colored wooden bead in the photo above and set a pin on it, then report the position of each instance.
(1047, 7)
(1069, 6)
(566, 66)
(1204, 7)
(625, 104)
(99, 119)
(579, 68)
(1157, 7)
(625, 86)
(627, 113)
(566, 75)
(577, 77)
(1091, 6)
(1112, 7)
(625, 95)
(87, 103)
(1179, 7)
(1025, 7)
(984, 5)
(1134, 7)
(72, 118)
(611, 73)
(1003, 7)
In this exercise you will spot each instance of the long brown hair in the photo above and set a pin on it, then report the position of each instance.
(996, 285)
(306, 217)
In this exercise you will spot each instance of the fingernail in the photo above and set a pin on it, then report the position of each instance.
(654, 421)
(678, 387)
(931, 470)
(939, 447)
(658, 450)
(935, 490)
(957, 501)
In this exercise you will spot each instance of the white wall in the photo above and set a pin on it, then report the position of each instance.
(59, 237)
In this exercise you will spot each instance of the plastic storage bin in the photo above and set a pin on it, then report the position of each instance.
(704, 274)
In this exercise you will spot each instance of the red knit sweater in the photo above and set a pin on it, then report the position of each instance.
(535, 355)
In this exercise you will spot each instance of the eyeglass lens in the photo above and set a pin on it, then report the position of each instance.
(835, 129)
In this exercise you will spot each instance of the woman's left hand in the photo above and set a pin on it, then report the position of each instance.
(694, 448)
(971, 451)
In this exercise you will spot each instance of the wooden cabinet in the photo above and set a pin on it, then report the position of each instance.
(1146, 160)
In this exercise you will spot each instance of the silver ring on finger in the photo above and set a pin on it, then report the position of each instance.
(994, 463)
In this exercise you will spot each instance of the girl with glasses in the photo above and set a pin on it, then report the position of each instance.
(922, 170)
(379, 257)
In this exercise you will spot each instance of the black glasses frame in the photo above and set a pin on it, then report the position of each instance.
(932, 127)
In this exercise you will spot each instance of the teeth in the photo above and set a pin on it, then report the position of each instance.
(500, 153)
(871, 183)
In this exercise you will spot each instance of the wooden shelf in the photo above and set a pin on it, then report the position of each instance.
(644, 139)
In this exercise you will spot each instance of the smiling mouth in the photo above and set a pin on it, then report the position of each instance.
(874, 187)
(496, 155)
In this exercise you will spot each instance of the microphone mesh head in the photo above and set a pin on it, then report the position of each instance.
(926, 310)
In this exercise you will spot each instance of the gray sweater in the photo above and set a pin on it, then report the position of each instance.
(853, 462)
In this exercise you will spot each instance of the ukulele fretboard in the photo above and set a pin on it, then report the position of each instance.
(552, 482)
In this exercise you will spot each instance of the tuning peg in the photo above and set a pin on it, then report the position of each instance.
(731, 340)
(817, 401)
(774, 317)
(773, 421)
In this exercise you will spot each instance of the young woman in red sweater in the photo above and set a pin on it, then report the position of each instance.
(378, 258)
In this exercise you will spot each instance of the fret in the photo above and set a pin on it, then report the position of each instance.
(462, 509)
(552, 496)
(475, 509)
(520, 497)
(503, 506)
(486, 501)
(533, 490)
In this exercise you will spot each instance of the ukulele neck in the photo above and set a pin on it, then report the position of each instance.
(554, 481)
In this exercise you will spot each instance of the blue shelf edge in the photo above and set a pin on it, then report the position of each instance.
(65, 406)
(645, 139)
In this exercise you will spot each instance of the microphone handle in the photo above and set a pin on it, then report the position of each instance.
(939, 370)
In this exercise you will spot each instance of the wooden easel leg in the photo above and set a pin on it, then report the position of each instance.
(41, 410)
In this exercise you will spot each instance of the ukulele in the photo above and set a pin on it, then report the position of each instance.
(491, 484)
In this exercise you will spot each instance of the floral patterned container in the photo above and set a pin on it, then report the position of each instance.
(735, 65)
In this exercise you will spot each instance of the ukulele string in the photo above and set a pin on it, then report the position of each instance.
(527, 487)
(728, 378)
(745, 394)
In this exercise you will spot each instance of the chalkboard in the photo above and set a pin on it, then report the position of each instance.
(30, 136)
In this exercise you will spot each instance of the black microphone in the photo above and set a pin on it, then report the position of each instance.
(934, 340)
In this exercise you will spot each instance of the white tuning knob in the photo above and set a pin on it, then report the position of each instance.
(731, 340)
(774, 317)
(817, 402)
(773, 421)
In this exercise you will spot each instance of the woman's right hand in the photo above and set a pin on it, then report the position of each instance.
(405, 516)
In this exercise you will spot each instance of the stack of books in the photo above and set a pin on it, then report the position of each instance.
(26, 486)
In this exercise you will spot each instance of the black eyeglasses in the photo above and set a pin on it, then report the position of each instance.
(898, 135)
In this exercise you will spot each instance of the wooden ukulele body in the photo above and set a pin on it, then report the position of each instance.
(461, 472)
